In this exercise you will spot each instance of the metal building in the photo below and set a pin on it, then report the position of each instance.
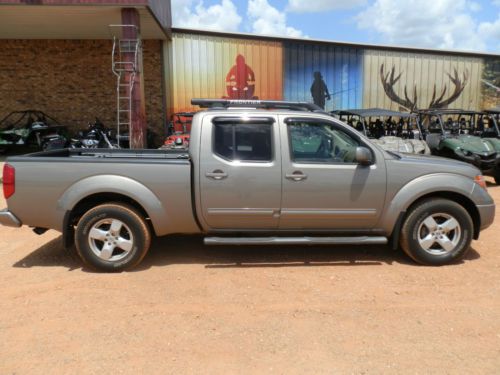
(56, 56)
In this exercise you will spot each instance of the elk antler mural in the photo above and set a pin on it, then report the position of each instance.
(389, 79)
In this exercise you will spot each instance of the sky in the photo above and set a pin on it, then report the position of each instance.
(472, 25)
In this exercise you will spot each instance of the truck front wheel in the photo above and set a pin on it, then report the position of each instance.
(112, 237)
(437, 232)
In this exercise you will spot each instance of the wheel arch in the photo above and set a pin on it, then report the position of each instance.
(447, 186)
(95, 190)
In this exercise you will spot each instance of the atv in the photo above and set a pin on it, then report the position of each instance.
(457, 134)
(391, 130)
(30, 130)
(178, 131)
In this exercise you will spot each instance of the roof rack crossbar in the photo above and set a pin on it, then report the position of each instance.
(266, 104)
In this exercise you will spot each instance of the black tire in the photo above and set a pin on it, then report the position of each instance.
(415, 230)
(133, 235)
(497, 175)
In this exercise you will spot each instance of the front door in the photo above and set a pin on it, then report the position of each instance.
(323, 186)
(240, 172)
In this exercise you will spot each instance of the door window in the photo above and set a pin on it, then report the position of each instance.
(321, 143)
(243, 142)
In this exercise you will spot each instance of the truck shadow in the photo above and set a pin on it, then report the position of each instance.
(190, 250)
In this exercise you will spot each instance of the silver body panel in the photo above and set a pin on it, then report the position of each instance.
(181, 196)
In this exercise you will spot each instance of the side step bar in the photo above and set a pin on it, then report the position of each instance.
(363, 240)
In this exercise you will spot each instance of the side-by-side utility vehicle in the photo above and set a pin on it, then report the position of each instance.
(256, 172)
(457, 134)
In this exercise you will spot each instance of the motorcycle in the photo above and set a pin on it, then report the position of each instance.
(96, 136)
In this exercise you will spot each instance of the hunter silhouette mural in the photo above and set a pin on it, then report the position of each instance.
(329, 76)
(240, 81)
(319, 90)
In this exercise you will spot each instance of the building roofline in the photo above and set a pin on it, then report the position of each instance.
(409, 49)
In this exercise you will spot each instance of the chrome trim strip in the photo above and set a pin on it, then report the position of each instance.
(326, 213)
(241, 212)
(361, 240)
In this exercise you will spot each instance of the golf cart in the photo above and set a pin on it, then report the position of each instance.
(380, 125)
(489, 125)
(30, 130)
(454, 133)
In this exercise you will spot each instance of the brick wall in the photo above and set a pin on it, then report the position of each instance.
(72, 80)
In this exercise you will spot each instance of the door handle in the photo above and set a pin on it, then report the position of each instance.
(296, 176)
(216, 175)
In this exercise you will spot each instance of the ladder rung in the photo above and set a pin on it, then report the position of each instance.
(122, 98)
(123, 110)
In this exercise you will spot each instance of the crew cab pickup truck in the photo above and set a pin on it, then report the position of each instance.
(256, 172)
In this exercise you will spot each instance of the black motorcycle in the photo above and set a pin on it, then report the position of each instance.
(96, 136)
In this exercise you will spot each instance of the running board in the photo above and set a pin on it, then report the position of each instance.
(363, 240)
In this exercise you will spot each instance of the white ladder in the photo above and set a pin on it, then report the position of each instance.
(125, 67)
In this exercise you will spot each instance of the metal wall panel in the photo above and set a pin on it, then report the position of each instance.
(215, 67)
(340, 70)
(491, 83)
(423, 71)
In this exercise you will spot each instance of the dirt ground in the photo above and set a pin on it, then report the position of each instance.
(221, 310)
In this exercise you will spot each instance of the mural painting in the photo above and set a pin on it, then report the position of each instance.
(408, 81)
(328, 76)
(410, 102)
(240, 81)
(215, 67)
(331, 76)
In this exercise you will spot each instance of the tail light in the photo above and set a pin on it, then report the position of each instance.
(9, 181)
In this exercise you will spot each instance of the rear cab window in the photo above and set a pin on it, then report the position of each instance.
(239, 139)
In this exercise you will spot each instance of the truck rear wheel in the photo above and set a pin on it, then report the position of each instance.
(437, 232)
(112, 237)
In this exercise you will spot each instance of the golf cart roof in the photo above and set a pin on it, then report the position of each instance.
(448, 112)
(495, 110)
(373, 112)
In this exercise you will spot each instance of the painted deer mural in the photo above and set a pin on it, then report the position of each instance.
(389, 79)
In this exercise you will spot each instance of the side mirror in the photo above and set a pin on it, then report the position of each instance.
(364, 156)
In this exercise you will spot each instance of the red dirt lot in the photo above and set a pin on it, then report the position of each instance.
(218, 310)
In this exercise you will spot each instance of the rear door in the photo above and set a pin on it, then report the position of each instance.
(240, 172)
(323, 186)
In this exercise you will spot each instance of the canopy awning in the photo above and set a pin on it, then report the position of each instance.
(71, 22)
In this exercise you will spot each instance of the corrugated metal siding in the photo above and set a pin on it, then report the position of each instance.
(201, 63)
(490, 84)
(424, 71)
(340, 67)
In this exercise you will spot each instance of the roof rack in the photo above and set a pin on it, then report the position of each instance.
(266, 104)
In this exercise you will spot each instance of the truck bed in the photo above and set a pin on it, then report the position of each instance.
(50, 183)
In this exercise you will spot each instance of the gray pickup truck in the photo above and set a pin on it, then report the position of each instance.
(256, 172)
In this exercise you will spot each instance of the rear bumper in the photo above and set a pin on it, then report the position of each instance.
(8, 219)
(487, 215)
